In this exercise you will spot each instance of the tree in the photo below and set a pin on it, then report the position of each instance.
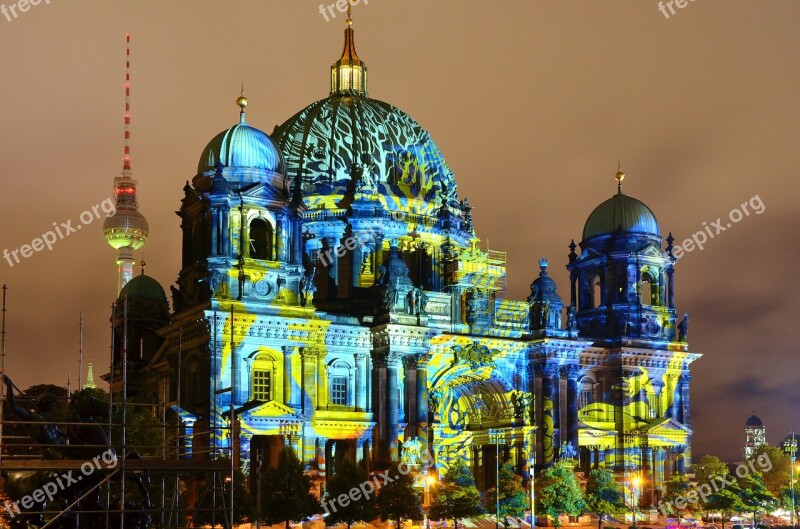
(346, 479)
(711, 474)
(456, 496)
(754, 495)
(603, 495)
(676, 495)
(558, 492)
(207, 510)
(513, 496)
(775, 467)
(285, 493)
(399, 500)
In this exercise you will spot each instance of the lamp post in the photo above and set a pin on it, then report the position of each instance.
(497, 437)
(634, 483)
(532, 478)
(429, 482)
(792, 458)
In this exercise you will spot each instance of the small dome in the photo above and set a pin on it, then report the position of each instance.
(242, 146)
(754, 422)
(621, 211)
(543, 288)
(143, 288)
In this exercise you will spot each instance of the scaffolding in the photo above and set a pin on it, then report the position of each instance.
(60, 484)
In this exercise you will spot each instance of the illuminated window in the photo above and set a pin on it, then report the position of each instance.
(339, 390)
(260, 239)
(262, 385)
(586, 395)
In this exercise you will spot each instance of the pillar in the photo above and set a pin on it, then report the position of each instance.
(647, 476)
(322, 381)
(360, 379)
(685, 415)
(392, 404)
(571, 374)
(548, 374)
(289, 382)
(422, 401)
(671, 287)
(309, 382)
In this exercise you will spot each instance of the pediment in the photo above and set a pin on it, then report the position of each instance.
(272, 410)
(667, 426)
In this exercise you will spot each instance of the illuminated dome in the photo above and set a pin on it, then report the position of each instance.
(241, 146)
(754, 422)
(126, 228)
(621, 212)
(349, 143)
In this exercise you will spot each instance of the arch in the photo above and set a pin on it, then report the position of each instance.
(261, 239)
(340, 383)
(586, 395)
(595, 292)
(649, 287)
(263, 376)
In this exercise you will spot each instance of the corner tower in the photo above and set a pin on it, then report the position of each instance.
(126, 230)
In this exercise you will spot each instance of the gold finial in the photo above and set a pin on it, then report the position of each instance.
(142, 264)
(241, 101)
(349, 13)
(619, 177)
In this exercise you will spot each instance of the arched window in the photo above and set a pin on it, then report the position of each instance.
(654, 389)
(262, 378)
(340, 383)
(596, 292)
(586, 395)
(648, 288)
(260, 239)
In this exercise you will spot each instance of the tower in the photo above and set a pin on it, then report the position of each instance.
(755, 435)
(89, 379)
(126, 230)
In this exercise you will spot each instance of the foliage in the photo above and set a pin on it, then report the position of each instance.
(780, 468)
(558, 492)
(754, 494)
(603, 495)
(399, 500)
(513, 496)
(285, 491)
(676, 493)
(347, 477)
(207, 509)
(456, 496)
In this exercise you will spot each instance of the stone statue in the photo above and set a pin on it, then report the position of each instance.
(571, 317)
(683, 328)
(411, 451)
(392, 295)
(567, 451)
(545, 314)
(307, 287)
(422, 301)
(382, 275)
(411, 299)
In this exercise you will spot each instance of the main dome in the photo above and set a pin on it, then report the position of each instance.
(241, 146)
(345, 141)
(621, 211)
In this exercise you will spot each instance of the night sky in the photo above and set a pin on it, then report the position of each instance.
(531, 102)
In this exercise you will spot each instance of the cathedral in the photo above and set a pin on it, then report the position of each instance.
(334, 297)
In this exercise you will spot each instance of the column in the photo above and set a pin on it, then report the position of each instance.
(288, 374)
(333, 266)
(309, 361)
(685, 416)
(392, 403)
(680, 463)
(283, 235)
(571, 374)
(422, 401)
(647, 476)
(360, 375)
(322, 381)
(380, 405)
(548, 414)
(671, 287)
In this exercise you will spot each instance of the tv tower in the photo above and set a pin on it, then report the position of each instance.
(127, 229)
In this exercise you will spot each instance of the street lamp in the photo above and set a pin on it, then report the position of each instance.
(792, 458)
(497, 437)
(430, 480)
(635, 481)
(532, 478)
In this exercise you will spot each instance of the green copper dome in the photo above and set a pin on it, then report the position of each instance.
(620, 211)
(142, 287)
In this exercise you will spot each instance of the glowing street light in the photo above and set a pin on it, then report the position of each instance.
(793, 457)
(635, 481)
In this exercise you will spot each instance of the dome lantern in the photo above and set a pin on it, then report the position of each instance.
(349, 73)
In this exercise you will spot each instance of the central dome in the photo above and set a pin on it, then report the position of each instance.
(349, 142)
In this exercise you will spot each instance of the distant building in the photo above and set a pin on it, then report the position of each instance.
(755, 435)
(789, 445)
